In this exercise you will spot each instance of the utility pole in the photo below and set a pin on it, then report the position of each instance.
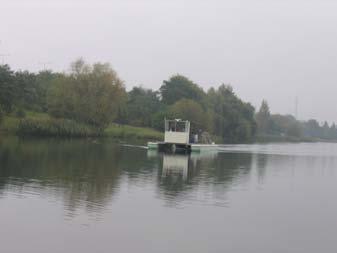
(296, 107)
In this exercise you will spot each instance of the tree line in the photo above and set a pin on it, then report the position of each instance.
(94, 95)
(288, 125)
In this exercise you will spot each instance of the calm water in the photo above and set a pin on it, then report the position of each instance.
(97, 196)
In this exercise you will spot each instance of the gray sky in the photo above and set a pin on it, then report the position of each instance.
(269, 49)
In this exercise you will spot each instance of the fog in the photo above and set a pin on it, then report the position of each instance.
(273, 50)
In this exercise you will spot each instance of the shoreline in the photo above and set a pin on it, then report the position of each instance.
(10, 124)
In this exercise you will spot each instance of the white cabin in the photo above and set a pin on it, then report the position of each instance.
(177, 131)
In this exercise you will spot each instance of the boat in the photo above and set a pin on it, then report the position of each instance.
(178, 139)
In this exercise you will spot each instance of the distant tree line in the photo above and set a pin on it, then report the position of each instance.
(96, 96)
(288, 125)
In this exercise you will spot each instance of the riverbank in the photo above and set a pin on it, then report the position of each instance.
(265, 138)
(11, 123)
(126, 131)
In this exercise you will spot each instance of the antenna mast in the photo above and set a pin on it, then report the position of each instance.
(44, 64)
(296, 107)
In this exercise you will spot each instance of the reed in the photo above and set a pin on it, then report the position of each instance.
(56, 128)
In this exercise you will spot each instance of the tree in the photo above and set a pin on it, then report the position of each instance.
(141, 106)
(294, 129)
(333, 131)
(179, 87)
(280, 124)
(90, 94)
(26, 90)
(190, 110)
(1, 114)
(7, 88)
(44, 81)
(232, 119)
(325, 130)
(263, 118)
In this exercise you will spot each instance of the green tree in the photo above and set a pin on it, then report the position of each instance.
(311, 128)
(188, 109)
(333, 131)
(44, 82)
(26, 90)
(90, 94)
(141, 106)
(263, 118)
(325, 130)
(232, 119)
(294, 129)
(2, 114)
(179, 87)
(8, 89)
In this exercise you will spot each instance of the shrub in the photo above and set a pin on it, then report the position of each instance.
(2, 115)
(56, 127)
(20, 113)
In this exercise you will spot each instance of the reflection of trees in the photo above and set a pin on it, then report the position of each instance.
(261, 166)
(85, 172)
(88, 173)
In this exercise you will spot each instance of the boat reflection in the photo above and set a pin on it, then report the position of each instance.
(175, 166)
(181, 166)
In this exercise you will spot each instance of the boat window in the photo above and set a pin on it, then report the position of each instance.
(180, 127)
(175, 126)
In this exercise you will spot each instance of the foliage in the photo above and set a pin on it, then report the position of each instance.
(263, 118)
(179, 87)
(9, 124)
(142, 104)
(90, 94)
(26, 90)
(233, 119)
(92, 97)
(192, 111)
(125, 131)
(287, 127)
(2, 115)
(20, 113)
(55, 127)
(158, 119)
(44, 81)
(7, 88)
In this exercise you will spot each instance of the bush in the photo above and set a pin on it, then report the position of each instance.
(20, 113)
(2, 115)
(125, 131)
(55, 127)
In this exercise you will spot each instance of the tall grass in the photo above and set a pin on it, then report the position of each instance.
(125, 131)
(55, 127)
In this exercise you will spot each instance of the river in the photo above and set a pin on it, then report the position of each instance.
(100, 196)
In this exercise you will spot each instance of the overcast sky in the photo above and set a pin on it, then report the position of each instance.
(266, 49)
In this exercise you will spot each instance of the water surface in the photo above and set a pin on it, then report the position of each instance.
(99, 196)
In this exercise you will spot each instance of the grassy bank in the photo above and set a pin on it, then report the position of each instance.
(126, 131)
(11, 122)
(40, 124)
(55, 128)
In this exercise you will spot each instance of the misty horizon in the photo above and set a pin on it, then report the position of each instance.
(263, 49)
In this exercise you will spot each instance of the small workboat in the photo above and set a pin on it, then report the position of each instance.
(178, 139)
